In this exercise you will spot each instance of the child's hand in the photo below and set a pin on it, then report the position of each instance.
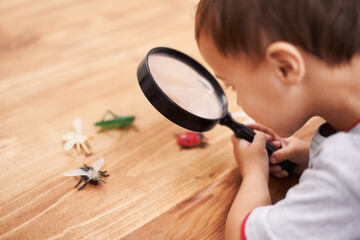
(293, 149)
(252, 157)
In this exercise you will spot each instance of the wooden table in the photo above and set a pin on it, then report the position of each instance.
(62, 59)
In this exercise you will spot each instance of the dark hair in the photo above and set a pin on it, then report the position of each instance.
(328, 29)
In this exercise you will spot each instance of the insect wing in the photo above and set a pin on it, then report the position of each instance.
(75, 172)
(98, 164)
(77, 125)
(69, 144)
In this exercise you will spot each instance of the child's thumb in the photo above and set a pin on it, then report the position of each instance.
(260, 139)
(238, 142)
(280, 155)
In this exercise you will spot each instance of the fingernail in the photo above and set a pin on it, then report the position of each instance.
(243, 143)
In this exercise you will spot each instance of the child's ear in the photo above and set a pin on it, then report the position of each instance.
(287, 62)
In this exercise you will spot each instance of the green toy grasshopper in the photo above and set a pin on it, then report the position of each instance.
(116, 123)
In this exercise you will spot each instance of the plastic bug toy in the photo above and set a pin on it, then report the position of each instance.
(115, 123)
(89, 174)
(189, 140)
(81, 141)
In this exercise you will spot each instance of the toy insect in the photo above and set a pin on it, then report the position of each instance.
(89, 174)
(189, 140)
(81, 141)
(116, 123)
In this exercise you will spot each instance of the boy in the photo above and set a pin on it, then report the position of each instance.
(289, 61)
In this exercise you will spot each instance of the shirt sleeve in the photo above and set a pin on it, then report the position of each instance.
(242, 230)
(324, 205)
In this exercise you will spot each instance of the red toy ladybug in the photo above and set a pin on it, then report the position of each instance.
(191, 139)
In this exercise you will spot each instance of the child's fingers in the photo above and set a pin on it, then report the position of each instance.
(277, 171)
(270, 135)
(239, 142)
(282, 174)
(276, 143)
(281, 155)
(243, 143)
(259, 140)
(257, 126)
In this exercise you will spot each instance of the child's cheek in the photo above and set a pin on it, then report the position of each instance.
(238, 100)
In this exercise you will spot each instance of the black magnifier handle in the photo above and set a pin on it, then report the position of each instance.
(244, 132)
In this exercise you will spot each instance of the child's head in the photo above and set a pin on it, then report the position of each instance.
(267, 51)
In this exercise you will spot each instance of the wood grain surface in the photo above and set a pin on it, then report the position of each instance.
(62, 59)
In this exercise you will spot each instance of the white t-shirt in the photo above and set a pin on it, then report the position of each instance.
(326, 202)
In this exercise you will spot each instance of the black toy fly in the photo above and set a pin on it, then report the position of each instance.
(89, 174)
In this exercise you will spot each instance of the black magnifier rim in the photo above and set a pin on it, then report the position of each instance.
(168, 107)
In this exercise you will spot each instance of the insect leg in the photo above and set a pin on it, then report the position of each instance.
(83, 186)
(103, 173)
(110, 112)
(90, 143)
(129, 124)
(78, 147)
(102, 180)
(134, 127)
(79, 182)
(85, 148)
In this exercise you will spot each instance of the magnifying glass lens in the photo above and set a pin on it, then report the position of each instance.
(185, 86)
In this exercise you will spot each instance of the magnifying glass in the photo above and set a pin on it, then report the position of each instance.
(184, 92)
